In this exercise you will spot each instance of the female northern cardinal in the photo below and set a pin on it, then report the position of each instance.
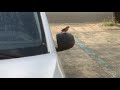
(65, 29)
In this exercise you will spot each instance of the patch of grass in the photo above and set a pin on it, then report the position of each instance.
(108, 23)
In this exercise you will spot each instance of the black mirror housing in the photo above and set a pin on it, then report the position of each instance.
(65, 41)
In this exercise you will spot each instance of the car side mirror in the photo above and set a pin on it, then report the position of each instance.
(65, 41)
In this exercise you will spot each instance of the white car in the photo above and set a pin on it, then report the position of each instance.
(26, 46)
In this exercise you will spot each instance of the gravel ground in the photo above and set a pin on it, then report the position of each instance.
(95, 54)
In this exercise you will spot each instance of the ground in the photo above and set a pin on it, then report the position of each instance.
(96, 53)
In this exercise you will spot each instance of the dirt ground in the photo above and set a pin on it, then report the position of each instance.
(96, 53)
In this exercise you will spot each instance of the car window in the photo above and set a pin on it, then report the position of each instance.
(20, 35)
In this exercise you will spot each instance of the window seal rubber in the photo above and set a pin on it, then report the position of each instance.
(42, 31)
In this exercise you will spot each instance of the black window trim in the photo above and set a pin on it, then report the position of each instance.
(42, 31)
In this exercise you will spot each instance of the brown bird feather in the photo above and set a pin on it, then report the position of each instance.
(65, 29)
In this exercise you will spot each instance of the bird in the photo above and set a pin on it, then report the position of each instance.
(65, 29)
